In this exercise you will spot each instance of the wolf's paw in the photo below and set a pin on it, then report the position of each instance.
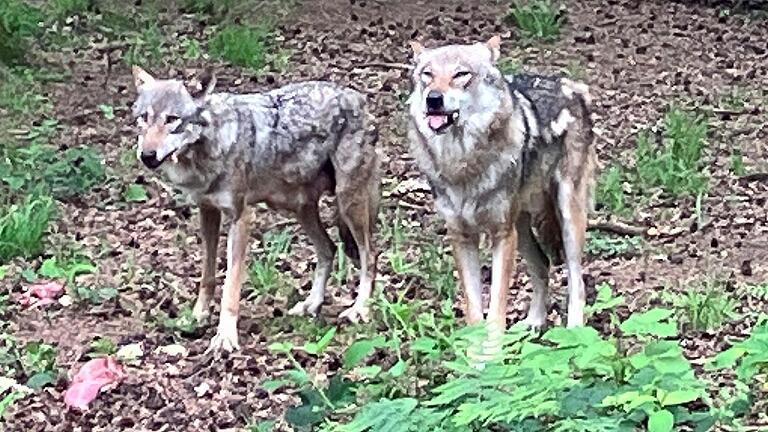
(306, 307)
(225, 340)
(535, 322)
(200, 312)
(356, 313)
(575, 320)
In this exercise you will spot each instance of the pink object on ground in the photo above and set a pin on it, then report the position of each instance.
(98, 374)
(41, 294)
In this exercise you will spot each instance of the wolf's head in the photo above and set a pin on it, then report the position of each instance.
(169, 115)
(453, 82)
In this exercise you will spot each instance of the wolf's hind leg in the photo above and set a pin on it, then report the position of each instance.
(210, 224)
(309, 219)
(357, 210)
(571, 206)
(538, 269)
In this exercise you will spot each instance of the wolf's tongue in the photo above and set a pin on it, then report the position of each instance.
(437, 121)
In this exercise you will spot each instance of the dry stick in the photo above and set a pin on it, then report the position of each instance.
(761, 176)
(617, 228)
(745, 111)
(384, 65)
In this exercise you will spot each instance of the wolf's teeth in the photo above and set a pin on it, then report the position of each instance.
(455, 115)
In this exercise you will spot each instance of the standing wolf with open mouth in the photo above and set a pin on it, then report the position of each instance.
(512, 157)
(285, 148)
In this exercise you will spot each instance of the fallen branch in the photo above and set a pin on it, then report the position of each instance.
(761, 176)
(745, 111)
(618, 228)
(401, 66)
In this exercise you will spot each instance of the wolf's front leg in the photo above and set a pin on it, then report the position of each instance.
(210, 224)
(466, 255)
(503, 266)
(237, 243)
(309, 219)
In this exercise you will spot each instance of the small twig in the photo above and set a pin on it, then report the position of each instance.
(745, 111)
(618, 228)
(761, 176)
(384, 65)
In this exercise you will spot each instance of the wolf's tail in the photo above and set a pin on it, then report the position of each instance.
(579, 91)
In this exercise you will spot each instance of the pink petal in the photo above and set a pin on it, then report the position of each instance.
(93, 376)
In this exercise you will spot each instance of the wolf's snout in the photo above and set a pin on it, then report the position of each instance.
(149, 158)
(434, 101)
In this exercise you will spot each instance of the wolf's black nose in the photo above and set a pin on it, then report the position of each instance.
(150, 159)
(434, 100)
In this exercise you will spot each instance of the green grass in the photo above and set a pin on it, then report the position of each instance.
(536, 19)
(704, 306)
(22, 227)
(264, 275)
(242, 45)
(672, 160)
(676, 163)
(148, 47)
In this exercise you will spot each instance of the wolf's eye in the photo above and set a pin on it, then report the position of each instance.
(171, 119)
(144, 117)
(462, 75)
(426, 75)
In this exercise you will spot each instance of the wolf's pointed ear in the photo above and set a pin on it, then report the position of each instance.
(417, 48)
(141, 77)
(205, 84)
(494, 45)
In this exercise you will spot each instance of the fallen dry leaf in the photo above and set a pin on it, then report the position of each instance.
(98, 374)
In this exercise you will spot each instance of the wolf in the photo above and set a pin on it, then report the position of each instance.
(286, 148)
(511, 157)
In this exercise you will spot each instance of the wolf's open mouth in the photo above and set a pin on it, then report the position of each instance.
(439, 121)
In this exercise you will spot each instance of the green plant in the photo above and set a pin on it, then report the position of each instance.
(677, 164)
(18, 25)
(22, 227)
(20, 92)
(436, 265)
(607, 245)
(509, 65)
(147, 48)
(191, 49)
(536, 19)
(737, 163)
(395, 256)
(748, 357)
(65, 8)
(704, 306)
(39, 364)
(261, 426)
(102, 346)
(135, 193)
(610, 190)
(264, 275)
(242, 45)
(341, 272)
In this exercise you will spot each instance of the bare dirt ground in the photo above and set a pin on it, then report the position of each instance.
(638, 56)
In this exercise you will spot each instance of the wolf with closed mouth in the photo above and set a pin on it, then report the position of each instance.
(511, 157)
(284, 148)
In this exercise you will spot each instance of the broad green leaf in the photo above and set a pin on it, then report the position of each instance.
(108, 111)
(368, 372)
(280, 347)
(361, 349)
(726, 359)
(40, 380)
(398, 369)
(680, 397)
(317, 348)
(654, 322)
(272, 385)
(383, 416)
(661, 421)
(135, 193)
